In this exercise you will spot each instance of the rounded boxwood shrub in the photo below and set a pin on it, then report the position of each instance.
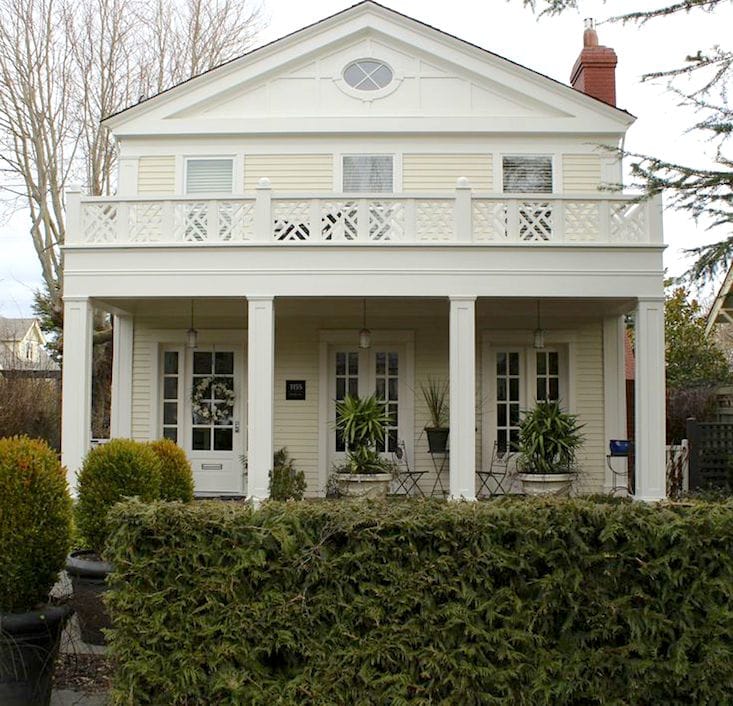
(35, 522)
(119, 469)
(176, 475)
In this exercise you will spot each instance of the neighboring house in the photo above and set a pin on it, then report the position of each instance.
(368, 172)
(22, 349)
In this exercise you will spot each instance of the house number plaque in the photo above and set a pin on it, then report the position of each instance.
(295, 389)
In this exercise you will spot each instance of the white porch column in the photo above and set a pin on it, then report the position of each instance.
(121, 406)
(650, 413)
(76, 407)
(614, 396)
(463, 397)
(260, 390)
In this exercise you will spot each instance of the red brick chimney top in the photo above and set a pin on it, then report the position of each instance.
(594, 72)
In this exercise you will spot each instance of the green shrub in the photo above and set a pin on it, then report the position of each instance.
(176, 475)
(119, 469)
(421, 602)
(35, 522)
(286, 482)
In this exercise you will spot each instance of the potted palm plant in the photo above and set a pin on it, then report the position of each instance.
(435, 394)
(361, 422)
(35, 535)
(549, 440)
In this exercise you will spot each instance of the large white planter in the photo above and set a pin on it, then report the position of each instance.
(535, 484)
(363, 486)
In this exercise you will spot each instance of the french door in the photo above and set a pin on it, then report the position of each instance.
(201, 410)
(379, 370)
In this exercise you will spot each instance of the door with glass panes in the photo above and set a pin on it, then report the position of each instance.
(379, 370)
(213, 433)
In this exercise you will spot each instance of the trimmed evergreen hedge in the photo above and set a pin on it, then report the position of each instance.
(512, 602)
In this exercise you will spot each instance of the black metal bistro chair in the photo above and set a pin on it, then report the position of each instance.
(499, 478)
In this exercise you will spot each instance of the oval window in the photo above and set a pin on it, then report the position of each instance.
(368, 75)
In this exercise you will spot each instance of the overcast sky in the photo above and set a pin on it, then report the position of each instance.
(548, 45)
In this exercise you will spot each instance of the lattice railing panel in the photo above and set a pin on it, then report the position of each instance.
(236, 220)
(489, 219)
(535, 220)
(339, 220)
(291, 220)
(628, 222)
(145, 224)
(582, 221)
(99, 223)
(194, 226)
(434, 220)
(386, 220)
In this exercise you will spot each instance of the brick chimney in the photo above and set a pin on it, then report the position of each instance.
(594, 72)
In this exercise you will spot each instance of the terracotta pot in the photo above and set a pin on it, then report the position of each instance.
(89, 579)
(535, 484)
(363, 486)
(29, 643)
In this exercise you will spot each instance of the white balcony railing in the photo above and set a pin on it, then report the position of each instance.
(459, 216)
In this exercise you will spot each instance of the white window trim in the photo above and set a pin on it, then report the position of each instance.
(368, 96)
(162, 349)
(396, 179)
(350, 337)
(198, 157)
(555, 168)
(491, 341)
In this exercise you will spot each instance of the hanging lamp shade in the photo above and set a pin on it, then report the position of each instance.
(365, 335)
(539, 333)
(192, 335)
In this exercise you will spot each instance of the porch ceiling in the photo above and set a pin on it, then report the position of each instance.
(506, 313)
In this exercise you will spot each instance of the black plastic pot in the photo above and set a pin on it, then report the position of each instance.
(89, 580)
(437, 439)
(29, 643)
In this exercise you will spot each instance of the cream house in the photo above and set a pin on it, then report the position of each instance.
(23, 347)
(368, 172)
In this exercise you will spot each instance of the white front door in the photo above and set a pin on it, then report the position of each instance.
(213, 434)
(379, 370)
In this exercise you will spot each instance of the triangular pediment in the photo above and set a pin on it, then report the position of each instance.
(438, 83)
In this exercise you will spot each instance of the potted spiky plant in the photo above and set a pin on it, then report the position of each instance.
(361, 422)
(435, 394)
(549, 440)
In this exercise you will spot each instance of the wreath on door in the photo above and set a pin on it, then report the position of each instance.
(208, 389)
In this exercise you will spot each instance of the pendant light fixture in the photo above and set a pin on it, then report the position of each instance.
(192, 335)
(539, 334)
(365, 335)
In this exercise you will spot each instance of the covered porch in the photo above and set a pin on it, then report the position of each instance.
(286, 359)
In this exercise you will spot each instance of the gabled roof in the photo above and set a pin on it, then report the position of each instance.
(15, 329)
(521, 83)
(722, 310)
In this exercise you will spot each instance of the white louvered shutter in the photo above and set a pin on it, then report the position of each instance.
(527, 175)
(368, 173)
(209, 176)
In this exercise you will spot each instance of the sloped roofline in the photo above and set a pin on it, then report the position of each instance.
(719, 303)
(143, 103)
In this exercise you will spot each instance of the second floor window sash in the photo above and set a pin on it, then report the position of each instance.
(209, 176)
(368, 173)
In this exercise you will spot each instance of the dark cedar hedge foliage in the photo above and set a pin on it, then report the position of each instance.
(515, 602)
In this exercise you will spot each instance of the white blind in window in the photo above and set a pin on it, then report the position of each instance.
(363, 173)
(527, 175)
(209, 176)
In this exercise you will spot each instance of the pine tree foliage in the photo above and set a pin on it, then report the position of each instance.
(702, 81)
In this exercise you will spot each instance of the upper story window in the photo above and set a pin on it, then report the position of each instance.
(524, 174)
(368, 173)
(210, 175)
(368, 75)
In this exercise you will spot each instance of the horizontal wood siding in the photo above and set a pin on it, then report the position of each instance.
(589, 405)
(296, 421)
(581, 173)
(143, 385)
(157, 175)
(290, 172)
(438, 172)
